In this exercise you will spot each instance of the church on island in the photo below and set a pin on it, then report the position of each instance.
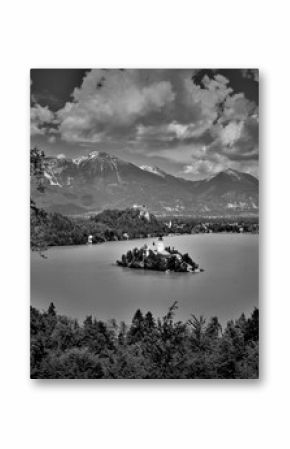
(158, 247)
(159, 258)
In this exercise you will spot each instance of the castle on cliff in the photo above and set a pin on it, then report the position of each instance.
(143, 211)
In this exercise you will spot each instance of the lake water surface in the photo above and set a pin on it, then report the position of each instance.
(84, 280)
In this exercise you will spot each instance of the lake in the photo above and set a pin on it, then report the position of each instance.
(84, 280)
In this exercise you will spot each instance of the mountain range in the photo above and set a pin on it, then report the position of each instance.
(89, 184)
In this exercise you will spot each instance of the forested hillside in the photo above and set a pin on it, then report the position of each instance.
(148, 348)
(51, 229)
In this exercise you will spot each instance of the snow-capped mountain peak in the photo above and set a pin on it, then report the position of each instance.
(99, 180)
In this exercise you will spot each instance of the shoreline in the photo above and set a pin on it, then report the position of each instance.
(147, 238)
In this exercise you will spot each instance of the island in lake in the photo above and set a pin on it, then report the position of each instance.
(159, 258)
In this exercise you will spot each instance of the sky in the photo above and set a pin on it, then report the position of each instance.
(191, 123)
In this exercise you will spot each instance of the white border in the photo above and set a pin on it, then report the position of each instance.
(144, 34)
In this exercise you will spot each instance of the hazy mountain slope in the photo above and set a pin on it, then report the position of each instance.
(90, 184)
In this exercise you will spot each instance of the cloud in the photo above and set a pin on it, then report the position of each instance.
(184, 154)
(52, 139)
(108, 101)
(231, 133)
(209, 96)
(40, 117)
(223, 135)
(194, 119)
(237, 107)
(201, 168)
(252, 74)
(171, 132)
(238, 140)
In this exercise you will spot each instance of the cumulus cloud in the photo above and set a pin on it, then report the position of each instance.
(209, 96)
(237, 107)
(196, 119)
(40, 117)
(226, 123)
(109, 100)
(231, 133)
(238, 140)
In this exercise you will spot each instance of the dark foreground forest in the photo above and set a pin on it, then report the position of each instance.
(148, 348)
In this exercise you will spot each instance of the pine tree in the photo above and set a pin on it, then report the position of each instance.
(51, 309)
(136, 331)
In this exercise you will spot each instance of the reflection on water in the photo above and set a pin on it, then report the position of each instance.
(83, 280)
